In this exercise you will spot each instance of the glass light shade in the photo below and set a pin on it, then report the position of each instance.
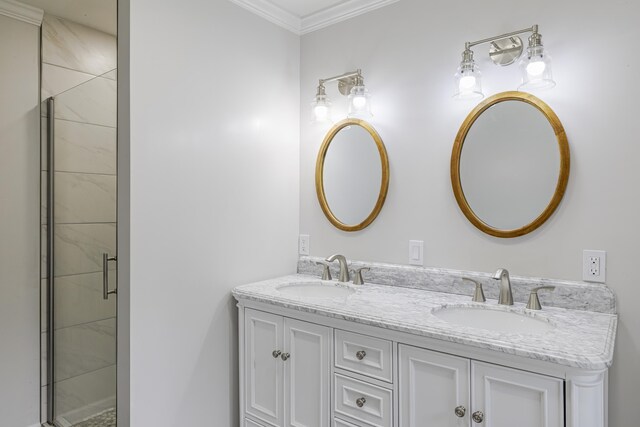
(321, 109)
(360, 102)
(536, 69)
(468, 81)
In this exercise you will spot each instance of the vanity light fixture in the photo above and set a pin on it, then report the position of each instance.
(349, 84)
(504, 50)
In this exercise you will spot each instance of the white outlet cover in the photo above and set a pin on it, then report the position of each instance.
(416, 252)
(303, 244)
(587, 274)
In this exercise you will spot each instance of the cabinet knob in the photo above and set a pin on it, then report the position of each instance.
(477, 417)
(361, 354)
(276, 353)
(460, 411)
(285, 356)
(360, 402)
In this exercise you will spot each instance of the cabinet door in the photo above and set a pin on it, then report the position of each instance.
(307, 374)
(431, 386)
(263, 386)
(509, 397)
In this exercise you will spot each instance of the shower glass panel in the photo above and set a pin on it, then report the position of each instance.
(81, 276)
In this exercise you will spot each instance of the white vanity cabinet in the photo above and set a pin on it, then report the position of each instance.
(452, 391)
(286, 371)
(328, 365)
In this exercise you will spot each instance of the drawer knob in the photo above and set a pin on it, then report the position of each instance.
(361, 354)
(460, 411)
(360, 402)
(276, 353)
(285, 356)
(477, 417)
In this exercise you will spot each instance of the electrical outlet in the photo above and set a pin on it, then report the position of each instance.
(303, 244)
(416, 252)
(594, 266)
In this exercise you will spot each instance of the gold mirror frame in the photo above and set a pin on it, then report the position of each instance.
(384, 184)
(563, 175)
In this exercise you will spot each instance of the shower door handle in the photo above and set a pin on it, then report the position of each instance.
(105, 275)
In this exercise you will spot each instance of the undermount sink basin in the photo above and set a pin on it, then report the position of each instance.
(316, 290)
(493, 320)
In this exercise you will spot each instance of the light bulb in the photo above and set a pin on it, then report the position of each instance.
(321, 112)
(466, 83)
(320, 108)
(359, 102)
(536, 68)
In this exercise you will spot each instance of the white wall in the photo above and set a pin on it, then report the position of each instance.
(408, 53)
(214, 196)
(19, 227)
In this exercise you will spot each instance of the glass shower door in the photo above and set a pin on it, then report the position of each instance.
(81, 236)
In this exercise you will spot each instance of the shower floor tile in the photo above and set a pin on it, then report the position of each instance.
(105, 419)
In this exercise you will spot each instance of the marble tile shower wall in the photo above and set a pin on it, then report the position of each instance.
(79, 70)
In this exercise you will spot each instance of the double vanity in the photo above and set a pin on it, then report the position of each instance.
(410, 348)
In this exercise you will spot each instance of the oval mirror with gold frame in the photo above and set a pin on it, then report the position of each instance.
(352, 175)
(510, 164)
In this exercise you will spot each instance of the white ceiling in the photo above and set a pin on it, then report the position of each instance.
(304, 16)
(99, 14)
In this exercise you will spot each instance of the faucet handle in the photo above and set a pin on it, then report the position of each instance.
(478, 294)
(358, 279)
(326, 273)
(502, 272)
(534, 301)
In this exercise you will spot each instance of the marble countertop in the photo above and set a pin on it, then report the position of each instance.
(580, 339)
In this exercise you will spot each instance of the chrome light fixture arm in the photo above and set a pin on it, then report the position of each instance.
(345, 81)
(533, 29)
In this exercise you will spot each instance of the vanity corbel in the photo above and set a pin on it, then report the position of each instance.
(365, 364)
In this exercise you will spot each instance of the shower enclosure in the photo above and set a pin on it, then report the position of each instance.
(79, 260)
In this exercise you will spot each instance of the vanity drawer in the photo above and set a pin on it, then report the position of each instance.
(337, 422)
(250, 423)
(362, 402)
(364, 355)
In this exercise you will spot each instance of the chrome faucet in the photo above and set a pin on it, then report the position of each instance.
(506, 297)
(344, 268)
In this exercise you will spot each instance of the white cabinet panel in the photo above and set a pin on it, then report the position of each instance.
(264, 372)
(307, 374)
(509, 397)
(431, 386)
(364, 355)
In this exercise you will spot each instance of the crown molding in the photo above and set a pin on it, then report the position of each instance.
(20, 11)
(339, 13)
(314, 21)
(272, 13)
